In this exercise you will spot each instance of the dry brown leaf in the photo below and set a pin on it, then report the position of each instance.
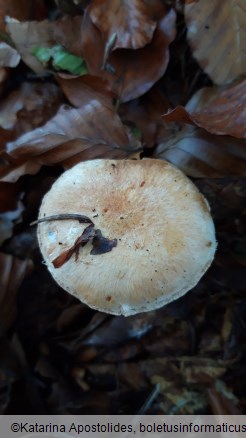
(71, 7)
(12, 170)
(130, 73)
(144, 113)
(12, 273)
(216, 31)
(19, 9)
(28, 107)
(75, 88)
(92, 131)
(201, 154)
(123, 24)
(29, 35)
(219, 111)
(9, 57)
(67, 32)
(72, 124)
(198, 152)
(24, 109)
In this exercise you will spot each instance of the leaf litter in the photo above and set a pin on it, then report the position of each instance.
(57, 355)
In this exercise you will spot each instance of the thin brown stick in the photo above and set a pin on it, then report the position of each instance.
(66, 216)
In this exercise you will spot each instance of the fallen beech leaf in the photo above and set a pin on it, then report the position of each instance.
(74, 89)
(130, 73)
(219, 111)
(69, 124)
(9, 57)
(27, 36)
(60, 59)
(24, 109)
(71, 7)
(216, 31)
(201, 154)
(145, 113)
(35, 37)
(198, 152)
(18, 9)
(67, 32)
(93, 130)
(128, 20)
(12, 273)
(31, 105)
(12, 171)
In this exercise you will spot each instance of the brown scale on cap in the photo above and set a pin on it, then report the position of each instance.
(163, 228)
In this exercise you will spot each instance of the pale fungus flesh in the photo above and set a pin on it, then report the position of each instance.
(159, 228)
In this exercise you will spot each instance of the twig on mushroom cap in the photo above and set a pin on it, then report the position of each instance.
(66, 216)
(86, 236)
(100, 244)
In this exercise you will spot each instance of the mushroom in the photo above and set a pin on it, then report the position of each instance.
(160, 225)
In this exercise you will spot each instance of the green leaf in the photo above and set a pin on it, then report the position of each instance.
(61, 59)
(136, 132)
(43, 54)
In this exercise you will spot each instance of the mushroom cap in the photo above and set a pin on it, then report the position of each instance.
(164, 230)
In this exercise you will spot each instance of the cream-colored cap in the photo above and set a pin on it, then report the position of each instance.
(164, 230)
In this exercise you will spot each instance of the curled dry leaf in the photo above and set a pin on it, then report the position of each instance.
(92, 131)
(12, 273)
(28, 107)
(126, 24)
(12, 170)
(219, 111)
(75, 88)
(201, 154)
(18, 9)
(145, 113)
(21, 10)
(9, 57)
(100, 245)
(87, 235)
(27, 36)
(198, 152)
(24, 109)
(216, 31)
(130, 73)
(67, 32)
